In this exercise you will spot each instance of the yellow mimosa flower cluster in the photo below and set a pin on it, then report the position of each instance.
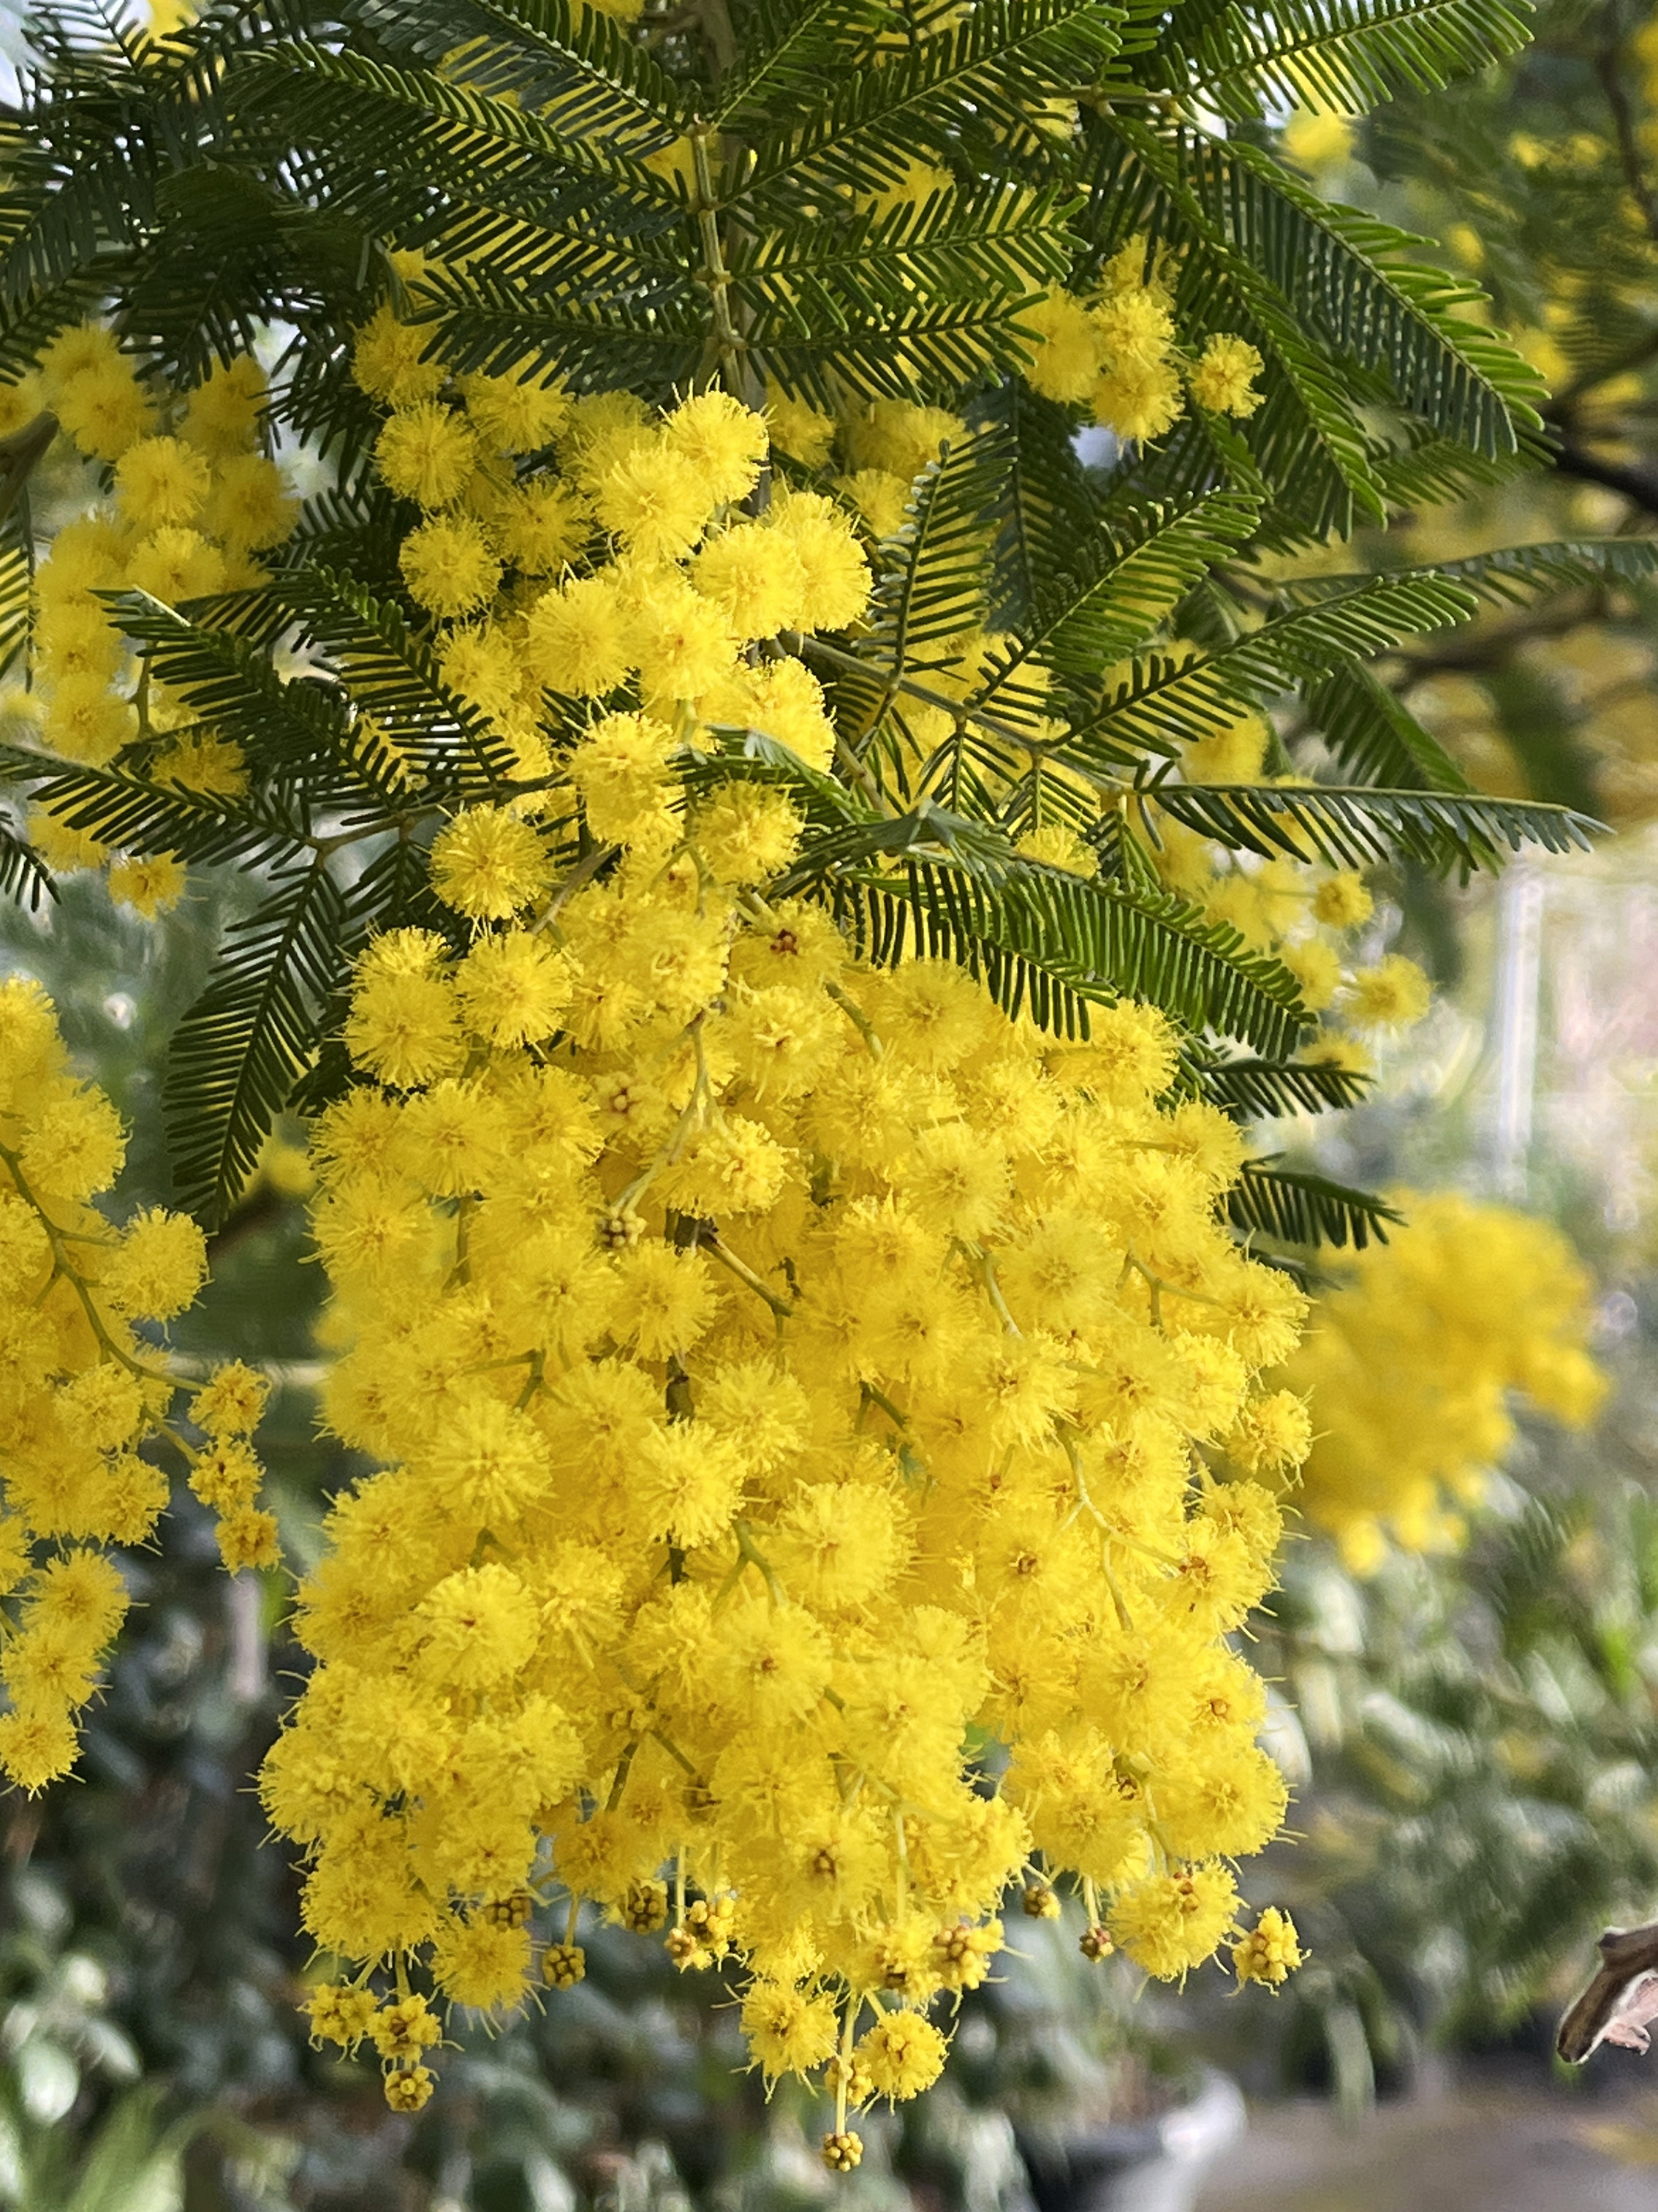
(84, 1392)
(1410, 1365)
(193, 501)
(1121, 353)
(789, 1375)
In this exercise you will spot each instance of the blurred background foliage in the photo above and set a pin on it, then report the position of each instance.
(1472, 1733)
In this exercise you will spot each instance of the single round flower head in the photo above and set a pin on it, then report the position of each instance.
(1170, 1923)
(408, 2088)
(1137, 400)
(1224, 380)
(514, 987)
(1341, 902)
(427, 453)
(790, 2031)
(174, 564)
(162, 480)
(577, 638)
(842, 2151)
(798, 429)
(837, 576)
(158, 1266)
(1271, 1951)
(902, 2054)
(231, 1400)
(724, 441)
(250, 506)
(248, 1537)
(37, 1747)
(655, 500)
(488, 863)
(151, 884)
(514, 414)
(1394, 995)
(747, 832)
(223, 414)
(449, 565)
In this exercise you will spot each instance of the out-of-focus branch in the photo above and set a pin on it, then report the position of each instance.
(1610, 66)
(1635, 483)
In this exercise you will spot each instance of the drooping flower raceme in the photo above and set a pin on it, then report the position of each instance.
(785, 1374)
(84, 1397)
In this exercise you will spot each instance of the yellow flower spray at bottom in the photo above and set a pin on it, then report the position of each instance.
(1410, 1364)
(83, 1398)
(783, 1372)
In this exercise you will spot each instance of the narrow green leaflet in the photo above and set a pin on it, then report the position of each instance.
(1347, 55)
(1296, 1206)
(243, 1045)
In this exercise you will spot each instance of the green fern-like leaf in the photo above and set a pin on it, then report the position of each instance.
(1348, 55)
(1261, 1090)
(1372, 735)
(243, 1045)
(1354, 826)
(1296, 1206)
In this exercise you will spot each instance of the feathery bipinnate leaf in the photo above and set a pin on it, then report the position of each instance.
(869, 128)
(1296, 1206)
(24, 876)
(1371, 733)
(242, 1046)
(121, 807)
(1342, 55)
(1167, 699)
(1040, 935)
(1263, 1090)
(1357, 825)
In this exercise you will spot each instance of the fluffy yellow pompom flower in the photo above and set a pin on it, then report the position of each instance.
(1170, 1923)
(655, 500)
(427, 453)
(488, 863)
(250, 506)
(837, 576)
(724, 441)
(150, 885)
(577, 638)
(620, 768)
(175, 564)
(747, 832)
(1341, 902)
(1138, 400)
(158, 1266)
(449, 565)
(162, 480)
(798, 429)
(903, 2055)
(386, 362)
(682, 641)
(105, 409)
(756, 578)
(514, 987)
(514, 414)
(789, 2032)
(1066, 359)
(1224, 380)
(540, 526)
(1393, 995)
(222, 413)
